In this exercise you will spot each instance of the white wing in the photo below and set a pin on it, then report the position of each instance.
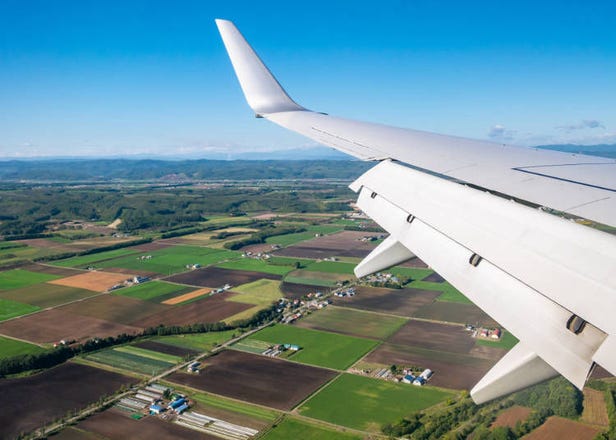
(446, 199)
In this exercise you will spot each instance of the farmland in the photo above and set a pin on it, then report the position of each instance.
(353, 322)
(260, 293)
(365, 403)
(11, 309)
(16, 278)
(290, 239)
(134, 359)
(86, 260)
(228, 405)
(45, 294)
(340, 244)
(401, 302)
(153, 290)
(511, 416)
(455, 312)
(216, 277)
(115, 308)
(244, 376)
(556, 428)
(293, 428)
(199, 342)
(320, 348)
(159, 347)
(64, 388)
(331, 267)
(257, 265)
(12, 347)
(95, 281)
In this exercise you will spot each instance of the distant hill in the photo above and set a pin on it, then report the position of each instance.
(603, 150)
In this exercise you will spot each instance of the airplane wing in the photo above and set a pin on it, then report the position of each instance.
(477, 213)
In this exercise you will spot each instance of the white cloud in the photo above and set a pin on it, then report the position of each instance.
(499, 133)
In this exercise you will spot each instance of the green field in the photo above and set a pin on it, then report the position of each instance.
(86, 260)
(11, 309)
(331, 267)
(16, 278)
(11, 347)
(153, 290)
(150, 354)
(261, 292)
(253, 411)
(129, 361)
(45, 294)
(507, 341)
(170, 260)
(256, 265)
(22, 253)
(318, 347)
(309, 234)
(311, 281)
(414, 273)
(291, 428)
(354, 322)
(365, 403)
(199, 341)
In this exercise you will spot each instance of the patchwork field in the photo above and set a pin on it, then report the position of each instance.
(154, 290)
(94, 280)
(341, 244)
(50, 270)
(352, 322)
(261, 294)
(291, 428)
(320, 348)
(16, 278)
(455, 312)
(595, 411)
(256, 379)
(558, 428)
(115, 308)
(433, 336)
(84, 261)
(198, 342)
(58, 390)
(331, 267)
(252, 264)
(401, 302)
(45, 294)
(11, 309)
(134, 359)
(56, 324)
(256, 417)
(160, 347)
(217, 277)
(511, 416)
(364, 403)
(11, 347)
(190, 296)
(298, 291)
(309, 234)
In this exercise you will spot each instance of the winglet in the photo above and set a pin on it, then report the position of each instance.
(262, 91)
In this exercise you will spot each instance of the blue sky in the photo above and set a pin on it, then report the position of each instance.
(148, 77)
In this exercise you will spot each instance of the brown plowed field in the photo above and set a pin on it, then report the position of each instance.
(595, 412)
(48, 244)
(51, 270)
(35, 400)
(257, 379)
(211, 309)
(434, 278)
(116, 308)
(56, 324)
(415, 262)
(451, 370)
(166, 348)
(72, 433)
(557, 428)
(298, 291)
(112, 424)
(341, 244)
(153, 246)
(132, 272)
(215, 276)
(433, 336)
(401, 302)
(511, 416)
(455, 312)
(93, 280)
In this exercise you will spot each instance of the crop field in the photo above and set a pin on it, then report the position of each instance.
(298, 291)
(230, 407)
(595, 411)
(153, 290)
(170, 260)
(291, 428)
(129, 360)
(312, 279)
(210, 309)
(150, 354)
(309, 234)
(115, 308)
(256, 265)
(401, 302)
(16, 278)
(12, 347)
(94, 280)
(364, 403)
(245, 376)
(558, 428)
(341, 244)
(261, 294)
(199, 342)
(414, 273)
(451, 370)
(159, 347)
(56, 324)
(192, 295)
(317, 347)
(319, 278)
(45, 294)
(511, 416)
(434, 336)
(112, 424)
(216, 277)
(50, 270)
(331, 267)
(434, 278)
(87, 260)
(66, 387)
(352, 322)
(11, 309)
(455, 312)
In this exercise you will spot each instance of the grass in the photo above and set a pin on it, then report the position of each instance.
(293, 428)
(11, 309)
(149, 354)
(414, 273)
(350, 321)
(200, 341)
(11, 347)
(365, 403)
(256, 265)
(311, 281)
(12, 255)
(86, 260)
(129, 361)
(170, 260)
(261, 292)
(16, 278)
(256, 412)
(309, 234)
(153, 290)
(45, 294)
(331, 267)
(318, 347)
(507, 341)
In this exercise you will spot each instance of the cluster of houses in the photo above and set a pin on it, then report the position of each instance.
(345, 292)
(144, 257)
(257, 255)
(419, 380)
(381, 278)
(193, 266)
(193, 367)
(485, 333)
(277, 349)
(130, 282)
(221, 289)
